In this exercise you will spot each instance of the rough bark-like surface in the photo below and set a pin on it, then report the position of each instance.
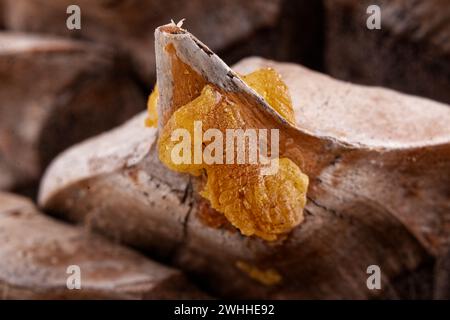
(53, 94)
(410, 53)
(417, 284)
(442, 276)
(129, 25)
(152, 211)
(36, 251)
(378, 194)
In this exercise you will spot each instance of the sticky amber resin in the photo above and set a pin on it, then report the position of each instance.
(262, 205)
(152, 113)
(265, 206)
(268, 277)
(268, 83)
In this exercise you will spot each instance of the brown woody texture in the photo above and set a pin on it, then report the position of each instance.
(37, 250)
(383, 201)
(410, 53)
(54, 93)
(129, 25)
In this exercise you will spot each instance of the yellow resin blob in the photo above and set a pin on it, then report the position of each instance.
(152, 113)
(266, 206)
(268, 277)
